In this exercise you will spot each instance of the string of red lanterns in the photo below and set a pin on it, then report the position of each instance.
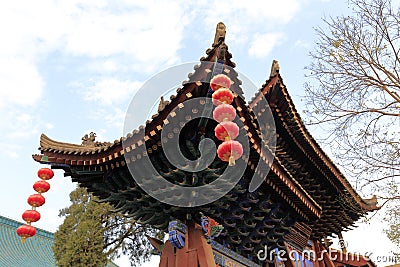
(35, 200)
(224, 113)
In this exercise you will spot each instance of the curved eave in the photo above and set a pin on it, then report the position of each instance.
(72, 154)
(279, 96)
(48, 144)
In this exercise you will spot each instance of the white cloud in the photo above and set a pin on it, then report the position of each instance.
(282, 11)
(18, 125)
(140, 29)
(302, 44)
(23, 125)
(49, 126)
(20, 82)
(245, 18)
(115, 118)
(27, 29)
(111, 118)
(262, 44)
(9, 150)
(104, 66)
(109, 91)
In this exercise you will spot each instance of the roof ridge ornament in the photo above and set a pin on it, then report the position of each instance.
(371, 201)
(163, 103)
(274, 68)
(223, 48)
(90, 141)
(220, 33)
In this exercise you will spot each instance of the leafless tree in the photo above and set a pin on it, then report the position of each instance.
(355, 95)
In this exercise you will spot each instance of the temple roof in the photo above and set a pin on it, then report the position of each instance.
(301, 155)
(282, 103)
(303, 185)
(34, 252)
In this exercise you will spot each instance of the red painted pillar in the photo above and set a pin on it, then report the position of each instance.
(196, 252)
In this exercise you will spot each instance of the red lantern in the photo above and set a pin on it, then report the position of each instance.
(31, 216)
(222, 96)
(226, 131)
(26, 231)
(224, 112)
(41, 186)
(220, 80)
(36, 200)
(230, 151)
(45, 173)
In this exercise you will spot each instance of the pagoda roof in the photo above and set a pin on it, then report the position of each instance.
(303, 184)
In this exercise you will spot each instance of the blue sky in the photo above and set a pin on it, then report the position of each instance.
(72, 67)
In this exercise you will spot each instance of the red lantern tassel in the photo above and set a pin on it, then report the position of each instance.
(232, 161)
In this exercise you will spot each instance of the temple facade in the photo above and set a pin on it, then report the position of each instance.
(289, 200)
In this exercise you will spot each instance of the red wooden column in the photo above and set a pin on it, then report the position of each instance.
(196, 252)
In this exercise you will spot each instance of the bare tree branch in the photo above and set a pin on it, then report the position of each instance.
(354, 96)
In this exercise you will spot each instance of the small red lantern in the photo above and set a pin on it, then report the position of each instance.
(31, 216)
(26, 231)
(226, 131)
(222, 96)
(36, 200)
(41, 186)
(45, 173)
(220, 80)
(224, 112)
(230, 151)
